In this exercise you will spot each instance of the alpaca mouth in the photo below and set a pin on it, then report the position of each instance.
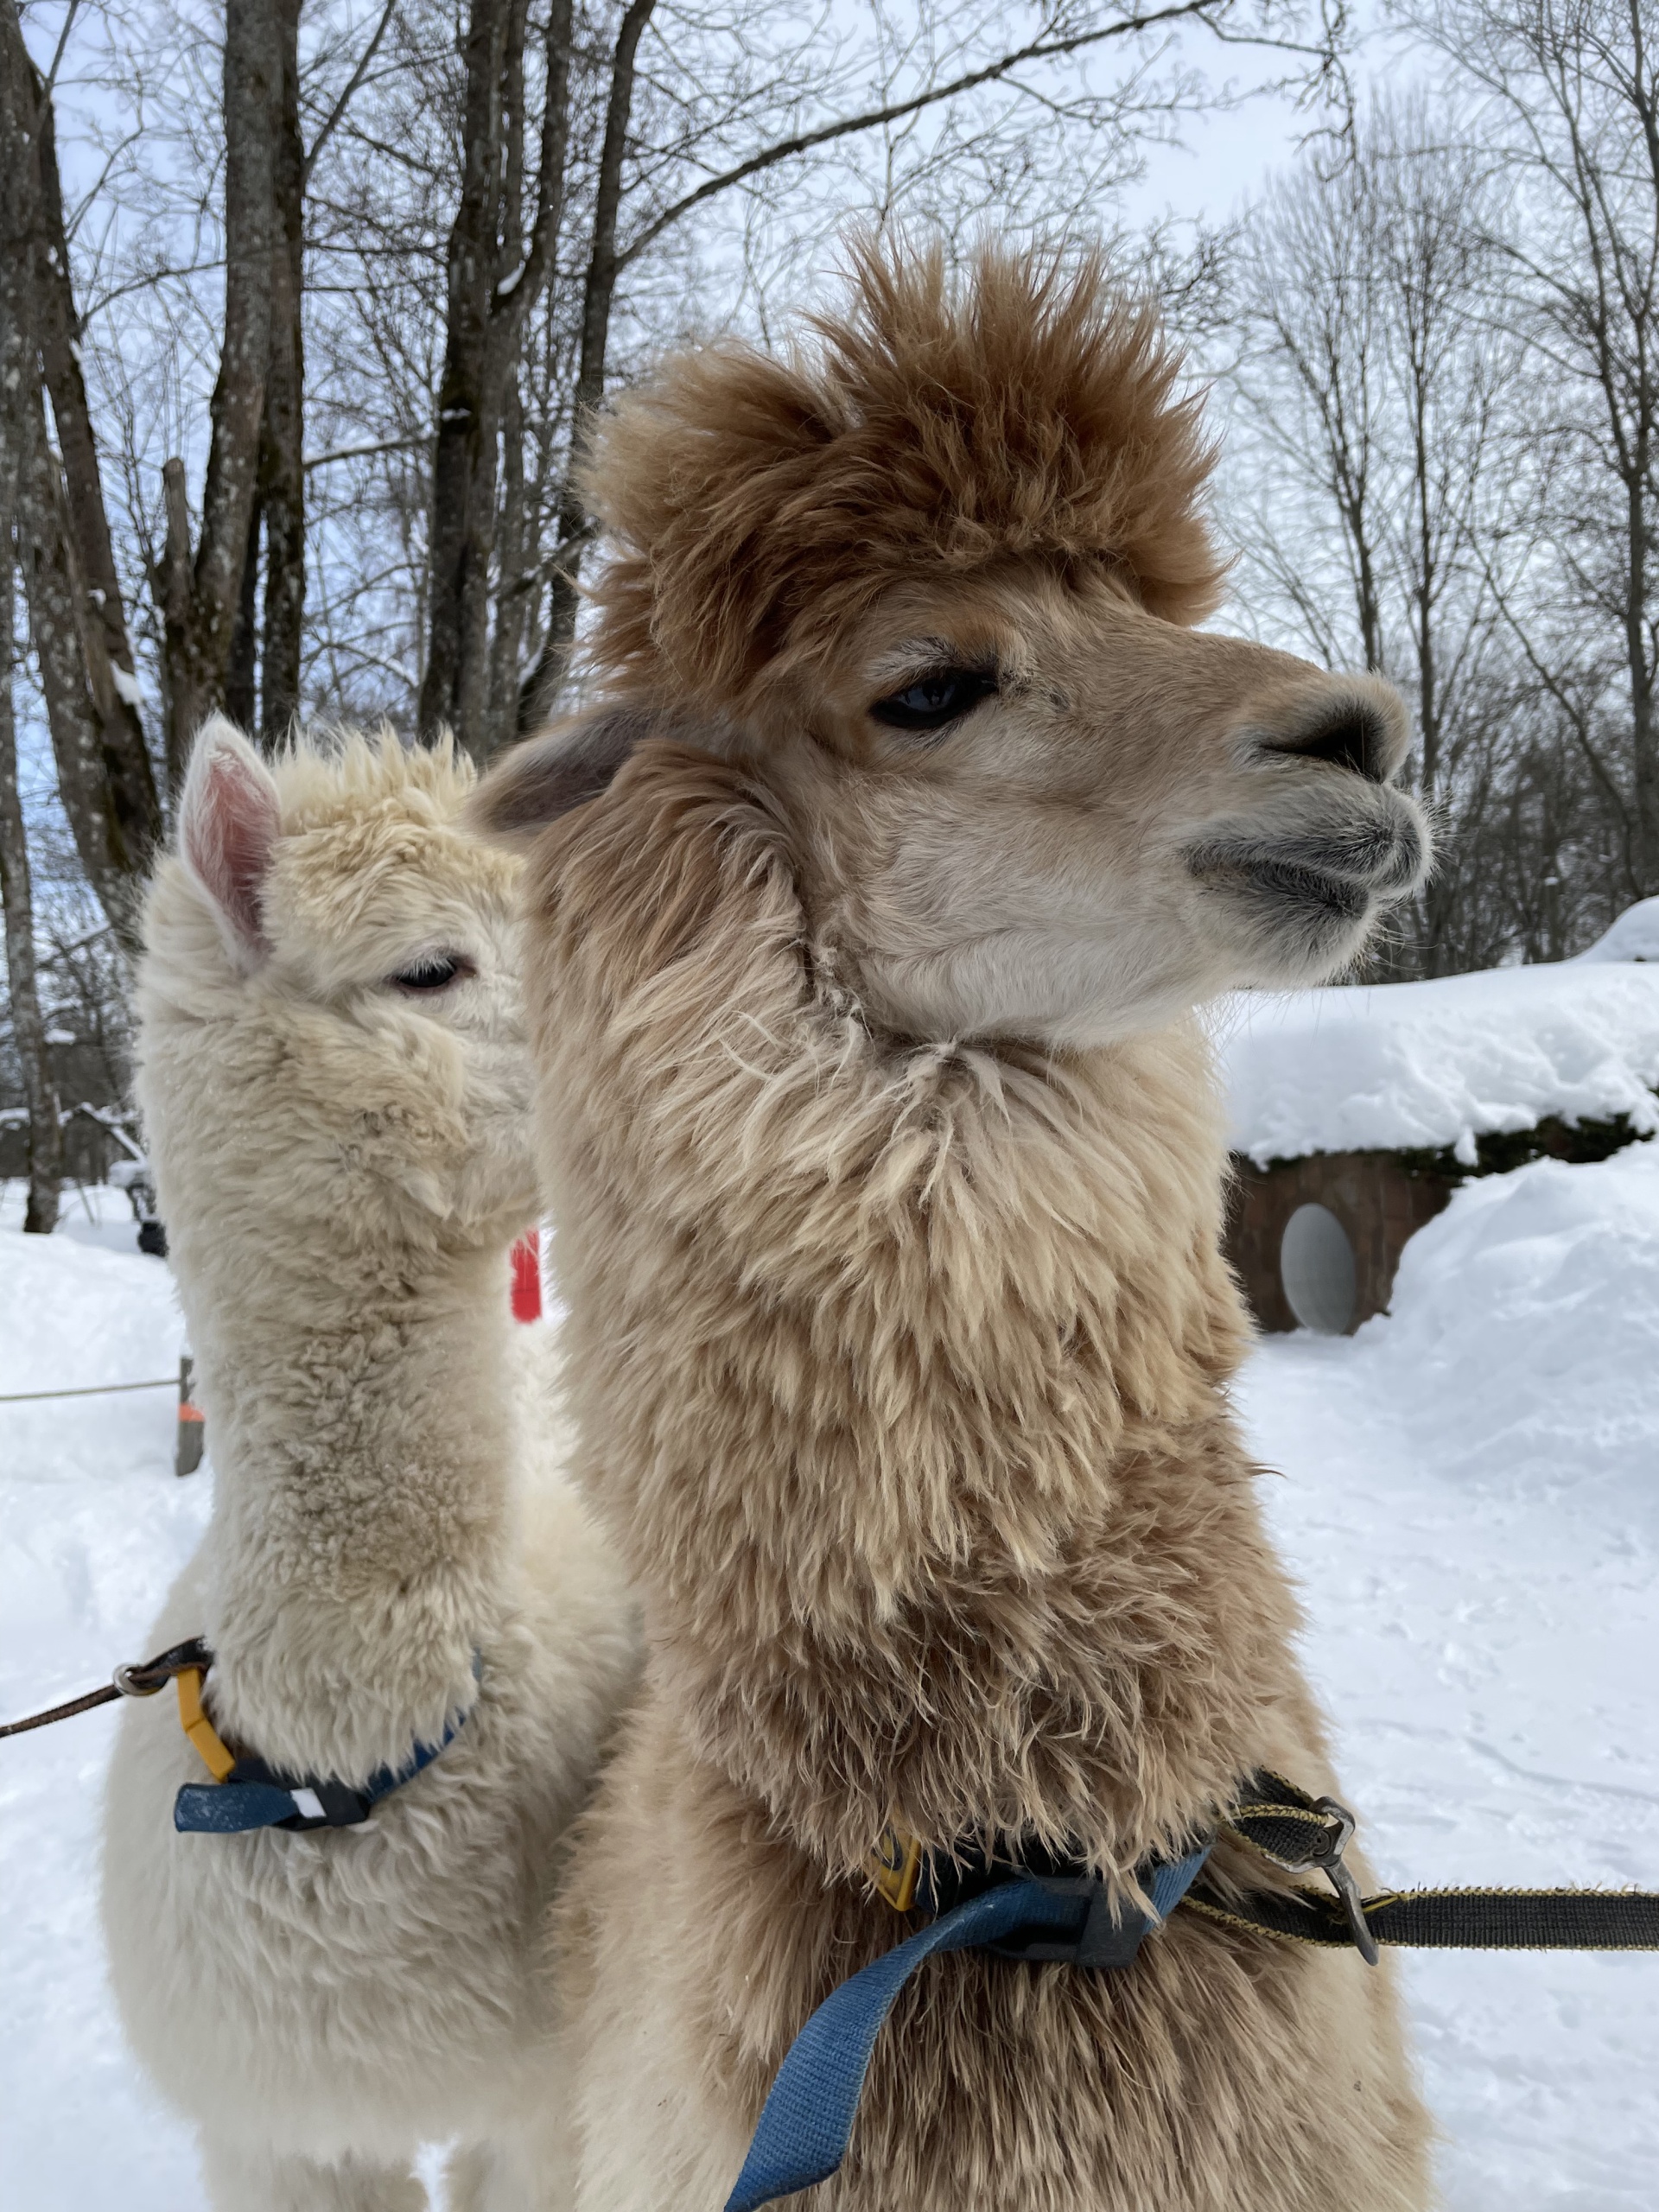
(1307, 888)
(1328, 874)
(1285, 891)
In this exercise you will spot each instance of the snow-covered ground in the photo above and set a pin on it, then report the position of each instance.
(1470, 1499)
(1469, 1495)
(93, 1526)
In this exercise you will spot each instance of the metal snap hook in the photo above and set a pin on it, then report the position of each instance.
(1330, 1861)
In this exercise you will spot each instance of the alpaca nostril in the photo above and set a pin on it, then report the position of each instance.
(1354, 740)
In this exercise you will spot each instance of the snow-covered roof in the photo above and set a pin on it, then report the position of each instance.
(1397, 1066)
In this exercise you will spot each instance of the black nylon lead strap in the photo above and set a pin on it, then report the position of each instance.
(1283, 1822)
(1451, 1920)
(1518, 1920)
(1296, 1831)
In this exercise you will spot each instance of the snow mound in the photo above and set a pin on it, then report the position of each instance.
(1396, 1067)
(1558, 1267)
(1469, 1499)
(93, 1526)
(1634, 935)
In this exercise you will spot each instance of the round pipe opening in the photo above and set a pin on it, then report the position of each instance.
(1316, 1268)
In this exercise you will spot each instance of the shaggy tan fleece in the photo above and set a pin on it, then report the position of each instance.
(899, 1375)
(887, 1166)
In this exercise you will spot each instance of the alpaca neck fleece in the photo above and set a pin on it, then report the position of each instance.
(358, 1423)
(898, 1370)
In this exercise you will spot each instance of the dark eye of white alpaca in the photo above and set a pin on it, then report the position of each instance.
(933, 701)
(434, 973)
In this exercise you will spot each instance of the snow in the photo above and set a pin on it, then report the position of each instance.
(1436, 1064)
(127, 685)
(1471, 1501)
(94, 1527)
(1634, 935)
(1469, 1494)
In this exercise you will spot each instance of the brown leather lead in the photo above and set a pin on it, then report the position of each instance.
(129, 1682)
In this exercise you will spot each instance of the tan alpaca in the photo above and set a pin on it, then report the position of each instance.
(335, 1082)
(886, 1163)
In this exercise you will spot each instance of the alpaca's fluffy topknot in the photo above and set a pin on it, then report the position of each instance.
(759, 506)
(338, 772)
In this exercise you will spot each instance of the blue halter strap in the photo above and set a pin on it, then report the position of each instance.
(808, 2117)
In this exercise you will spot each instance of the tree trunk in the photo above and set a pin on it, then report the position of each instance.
(494, 280)
(281, 471)
(56, 595)
(199, 598)
(242, 668)
(515, 575)
(27, 1028)
(114, 777)
(453, 690)
(541, 689)
(1644, 733)
(134, 805)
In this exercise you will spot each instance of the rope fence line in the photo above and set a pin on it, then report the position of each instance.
(87, 1390)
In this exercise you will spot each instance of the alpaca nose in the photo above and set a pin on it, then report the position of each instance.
(1353, 734)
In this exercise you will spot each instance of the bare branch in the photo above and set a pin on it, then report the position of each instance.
(353, 85)
(804, 142)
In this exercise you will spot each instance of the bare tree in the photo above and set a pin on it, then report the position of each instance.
(1375, 385)
(495, 278)
(29, 144)
(598, 293)
(29, 1029)
(647, 161)
(56, 593)
(587, 170)
(18, 390)
(75, 603)
(1572, 93)
(198, 588)
(281, 495)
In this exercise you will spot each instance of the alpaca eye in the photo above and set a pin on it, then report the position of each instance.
(435, 974)
(932, 701)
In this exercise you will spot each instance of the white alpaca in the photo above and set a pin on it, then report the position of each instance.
(334, 1080)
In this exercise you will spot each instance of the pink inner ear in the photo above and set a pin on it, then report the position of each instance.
(231, 820)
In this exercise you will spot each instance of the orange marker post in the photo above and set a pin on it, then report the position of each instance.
(193, 1432)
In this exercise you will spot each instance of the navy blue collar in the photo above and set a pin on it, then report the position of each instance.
(256, 1795)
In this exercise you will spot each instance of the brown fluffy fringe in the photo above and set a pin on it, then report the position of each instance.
(757, 508)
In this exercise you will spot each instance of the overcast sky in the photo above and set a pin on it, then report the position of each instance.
(1228, 155)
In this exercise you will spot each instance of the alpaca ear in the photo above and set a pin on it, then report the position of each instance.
(546, 777)
(228, 820)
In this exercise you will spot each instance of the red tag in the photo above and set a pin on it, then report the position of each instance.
(527, 1277)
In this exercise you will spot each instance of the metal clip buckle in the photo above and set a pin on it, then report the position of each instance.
(895, 1867)
(1330, 1862)
(124, 1682)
